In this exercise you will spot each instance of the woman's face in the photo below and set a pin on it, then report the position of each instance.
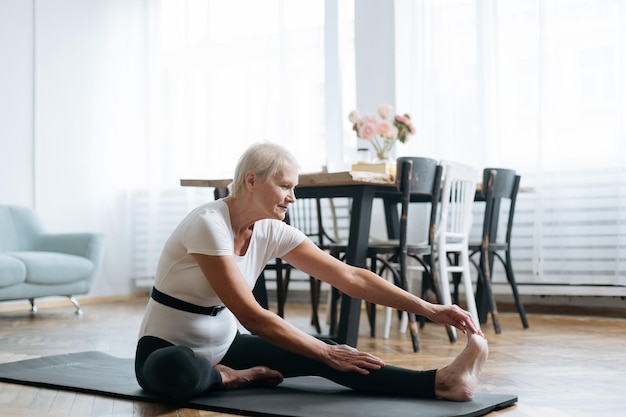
(278, 192)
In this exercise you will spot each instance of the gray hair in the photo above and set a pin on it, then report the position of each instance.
(264, 159)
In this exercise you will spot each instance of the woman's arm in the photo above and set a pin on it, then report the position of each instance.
(364, 284)
(231, 287)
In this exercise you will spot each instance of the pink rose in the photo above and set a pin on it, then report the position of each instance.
(384, 110)
(387, 129)
(405, 120)
(369, 126)
(368, 118)
(354, 116)
(366, 130)
(404, 126)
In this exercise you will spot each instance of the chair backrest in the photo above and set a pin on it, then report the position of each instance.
(457, 199)
(306, 215)
(498, 184)
(220, 192)
(418, 176)
(336, 217)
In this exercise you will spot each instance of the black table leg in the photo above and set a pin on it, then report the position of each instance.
(360, 219)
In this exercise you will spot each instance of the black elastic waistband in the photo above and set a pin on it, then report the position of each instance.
(170, 301)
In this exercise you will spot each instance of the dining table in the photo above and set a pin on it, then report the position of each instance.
(362, 188)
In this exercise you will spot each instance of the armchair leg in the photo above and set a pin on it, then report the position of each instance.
(79, 310)
(33, 307)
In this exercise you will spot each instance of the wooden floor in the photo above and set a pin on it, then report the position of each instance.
(560, 366)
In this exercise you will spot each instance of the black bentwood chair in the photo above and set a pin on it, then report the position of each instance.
(417, 179)
(499, 185)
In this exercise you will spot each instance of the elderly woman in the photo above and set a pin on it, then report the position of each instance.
(189, 341)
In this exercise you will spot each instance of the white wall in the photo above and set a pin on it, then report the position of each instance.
(374, 66)
(72, 107)
(16, 102)
(68, 59)
(375, 59)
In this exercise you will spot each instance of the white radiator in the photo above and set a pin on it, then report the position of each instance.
(154, 217)
(568, 230)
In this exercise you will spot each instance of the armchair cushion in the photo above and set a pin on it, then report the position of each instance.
(54, 268)
(13, 271)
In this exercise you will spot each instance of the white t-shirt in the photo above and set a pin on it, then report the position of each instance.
(207, 230)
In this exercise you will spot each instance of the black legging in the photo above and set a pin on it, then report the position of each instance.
(175, 371)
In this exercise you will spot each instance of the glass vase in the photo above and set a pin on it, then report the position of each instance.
(383, 157)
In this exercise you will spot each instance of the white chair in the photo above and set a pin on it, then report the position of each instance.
(452, 233)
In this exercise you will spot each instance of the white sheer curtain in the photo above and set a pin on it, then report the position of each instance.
(222, 79)
(537, 86)
(223, 75)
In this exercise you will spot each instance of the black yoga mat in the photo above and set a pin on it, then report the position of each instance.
(100, 373)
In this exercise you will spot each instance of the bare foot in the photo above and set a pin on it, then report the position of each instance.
(458, 380)
(256, 376)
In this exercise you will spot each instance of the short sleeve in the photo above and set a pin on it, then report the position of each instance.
(208, 233)
(279, 238)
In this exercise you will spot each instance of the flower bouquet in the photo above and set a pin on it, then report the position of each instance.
(382, 132)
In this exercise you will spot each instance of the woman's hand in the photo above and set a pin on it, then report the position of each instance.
(455, 316)
(346, 358)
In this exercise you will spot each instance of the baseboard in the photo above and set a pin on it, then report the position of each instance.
(573, 310)
(56, 302)
(587, 305)
(543, 290)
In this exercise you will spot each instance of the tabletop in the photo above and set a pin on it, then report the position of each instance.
(317, 179)
(311, 179)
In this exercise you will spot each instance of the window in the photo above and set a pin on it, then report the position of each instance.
(224, 79)
(537, 86)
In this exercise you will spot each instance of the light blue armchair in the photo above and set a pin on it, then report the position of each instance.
(35, 264)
